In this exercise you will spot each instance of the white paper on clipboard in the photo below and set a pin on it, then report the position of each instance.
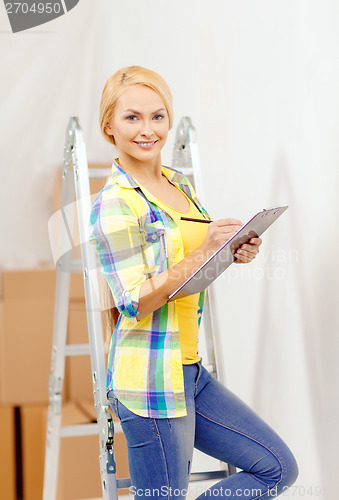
(218, 262)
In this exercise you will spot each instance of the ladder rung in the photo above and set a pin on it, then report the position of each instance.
(205, 476)
(77, 349)
(79, 430)
(123, 483)
(194, 476)
(85, 429)
(99, 173)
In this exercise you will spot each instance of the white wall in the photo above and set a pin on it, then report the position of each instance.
(260, 81)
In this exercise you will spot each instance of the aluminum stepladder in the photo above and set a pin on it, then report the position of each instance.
(75, 194)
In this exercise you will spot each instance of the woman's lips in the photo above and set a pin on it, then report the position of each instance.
(146, 144)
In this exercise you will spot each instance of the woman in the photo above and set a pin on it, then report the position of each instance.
(168, 403)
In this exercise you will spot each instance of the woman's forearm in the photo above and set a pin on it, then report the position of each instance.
(155, 291)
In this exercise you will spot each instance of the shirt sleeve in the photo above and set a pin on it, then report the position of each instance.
(114, 229)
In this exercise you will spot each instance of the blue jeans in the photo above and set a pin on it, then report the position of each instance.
(219, 424)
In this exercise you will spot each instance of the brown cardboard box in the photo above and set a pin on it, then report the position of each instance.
(34, 425)
(35, 283)
(33, 431)
(7, 454)
(26, 333)
(79, 474)
(26, 330)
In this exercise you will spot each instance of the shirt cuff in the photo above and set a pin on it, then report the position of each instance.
(129, 302)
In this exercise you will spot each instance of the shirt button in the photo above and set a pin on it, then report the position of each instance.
(127, 294)
(154, 236)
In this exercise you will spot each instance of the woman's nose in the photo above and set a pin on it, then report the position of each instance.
(147, 128)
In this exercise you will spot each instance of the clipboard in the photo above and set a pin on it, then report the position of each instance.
(222, 258)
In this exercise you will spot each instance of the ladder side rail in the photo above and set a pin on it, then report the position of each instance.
(89, 266)
(61, 225)
(94, 320)
(211, 325)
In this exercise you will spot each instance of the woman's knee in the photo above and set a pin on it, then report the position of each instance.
(276, 470)
(284, 472)
(290, 469)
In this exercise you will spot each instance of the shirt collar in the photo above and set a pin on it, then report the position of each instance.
(125, 180)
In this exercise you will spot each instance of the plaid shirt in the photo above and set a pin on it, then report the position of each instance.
(136, 240)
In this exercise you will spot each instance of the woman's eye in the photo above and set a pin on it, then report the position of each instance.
(133, 118)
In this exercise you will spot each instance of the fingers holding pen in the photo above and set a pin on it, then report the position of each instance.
(219, 231)
(227, 222)
(226, 226)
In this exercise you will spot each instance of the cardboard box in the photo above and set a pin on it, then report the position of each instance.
(79, 474)
(33, 430)
(7, 454)
(36, 283)
(26, 353)
(26, 333)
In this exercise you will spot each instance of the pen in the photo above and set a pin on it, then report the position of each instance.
(196, 220)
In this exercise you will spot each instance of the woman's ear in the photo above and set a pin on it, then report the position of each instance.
(108, 129)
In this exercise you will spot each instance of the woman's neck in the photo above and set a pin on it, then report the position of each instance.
(143, 171)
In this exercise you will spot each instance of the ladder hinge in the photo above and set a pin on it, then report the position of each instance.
(110, 432)
(110, 466)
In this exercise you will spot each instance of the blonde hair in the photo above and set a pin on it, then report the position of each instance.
(120, 81)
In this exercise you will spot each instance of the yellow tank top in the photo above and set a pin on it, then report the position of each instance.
(193, 234)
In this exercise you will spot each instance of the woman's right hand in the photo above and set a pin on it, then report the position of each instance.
(155, 291)
(219, 231)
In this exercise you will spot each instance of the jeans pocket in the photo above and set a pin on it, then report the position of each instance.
(114, 403)
(199, 364)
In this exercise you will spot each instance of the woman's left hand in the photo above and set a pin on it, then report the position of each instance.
(248, 251)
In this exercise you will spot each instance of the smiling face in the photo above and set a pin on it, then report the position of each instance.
(139, 125)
